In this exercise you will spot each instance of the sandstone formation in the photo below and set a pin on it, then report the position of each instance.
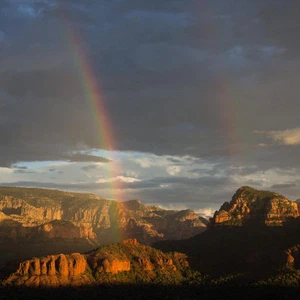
(260, 207)
(102, 265)
(53, 270)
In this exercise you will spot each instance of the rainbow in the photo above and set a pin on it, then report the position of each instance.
(231, 116)
(229, 108)
(101, 120)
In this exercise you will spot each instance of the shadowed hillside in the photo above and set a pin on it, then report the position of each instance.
(249, 234)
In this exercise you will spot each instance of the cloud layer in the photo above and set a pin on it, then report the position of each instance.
(196, 79)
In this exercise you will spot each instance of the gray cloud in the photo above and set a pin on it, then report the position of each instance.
(20, 167)
(283, 185)
(90, 168)
(193, 78)
(38, 152)
(23, 171)
(27, 8)
(86, 158)
(165, 191)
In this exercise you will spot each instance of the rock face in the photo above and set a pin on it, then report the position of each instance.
(104, 264)
(53, 270)
(55, 221)
(250, 205)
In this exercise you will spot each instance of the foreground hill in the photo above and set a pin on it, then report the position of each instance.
(36, 222)
(129, 270)
(125, 262)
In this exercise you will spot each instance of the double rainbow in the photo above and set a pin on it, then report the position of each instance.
(101, 120)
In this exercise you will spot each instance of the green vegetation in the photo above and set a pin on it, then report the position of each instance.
(147, 265)
(252, 194)
(289, 278)
(250, 206)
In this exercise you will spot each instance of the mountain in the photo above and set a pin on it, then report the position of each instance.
(35, 222)
(254, 252)
(249, 205)
(249, 234)
(125, 262)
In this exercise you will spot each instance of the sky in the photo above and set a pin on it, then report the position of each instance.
(176, 103)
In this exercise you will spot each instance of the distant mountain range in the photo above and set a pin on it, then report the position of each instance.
(36, 222)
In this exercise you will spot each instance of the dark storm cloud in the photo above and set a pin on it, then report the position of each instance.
(52, 83)
(26, 8)
(184, 197)
(49, 185)
(38, 152)
(176, 77)
(90, 186)
(231, 168)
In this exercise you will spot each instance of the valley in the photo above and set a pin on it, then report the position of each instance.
(255, 246)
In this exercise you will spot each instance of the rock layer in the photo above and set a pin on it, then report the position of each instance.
(53, 270)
